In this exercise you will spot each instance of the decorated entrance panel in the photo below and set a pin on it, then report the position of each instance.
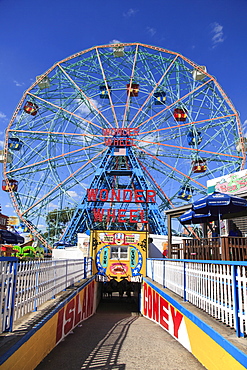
(119, 254)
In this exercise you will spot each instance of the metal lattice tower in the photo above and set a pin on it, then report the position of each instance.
(121, 172)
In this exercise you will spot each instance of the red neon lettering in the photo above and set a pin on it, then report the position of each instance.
(121, 215)
(143, 218)
(177, 318)
(108, 141)
(103, 195)
(115, 195)
(98, 214)
(135, 131)
(125, 198)
(151, 196)
(133, 217)
(139, 196)
(60, 325)
(163, 313)
(69, 316)
(111, 215)
(92, 194)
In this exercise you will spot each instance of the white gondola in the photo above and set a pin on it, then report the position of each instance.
(118, 51)
(9, 157)
(199, 75)
(44, 83)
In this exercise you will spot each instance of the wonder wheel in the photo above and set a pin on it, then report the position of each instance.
(173, 116)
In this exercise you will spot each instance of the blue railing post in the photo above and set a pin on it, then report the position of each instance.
(85, 267)
(236, 300)
(185, 295)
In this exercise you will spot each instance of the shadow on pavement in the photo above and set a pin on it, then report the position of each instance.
(96, 342)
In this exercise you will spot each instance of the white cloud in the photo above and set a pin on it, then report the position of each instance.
(1, 143)
(244, 126)
(2, 115)
(130, 13)
(8, 205)
(218, 35)
(18, 83)
(151, 31)
(41, 226)
(115, 42)
(72, 193)
(83, 109)
(52, 205)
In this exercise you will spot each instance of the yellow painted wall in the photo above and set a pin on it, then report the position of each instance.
(32, 352)
(208, 352)
(192, 336)
(41, 343)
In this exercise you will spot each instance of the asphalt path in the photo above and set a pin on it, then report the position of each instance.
(117, 338)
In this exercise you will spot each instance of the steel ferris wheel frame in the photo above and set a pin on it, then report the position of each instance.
(181, 126)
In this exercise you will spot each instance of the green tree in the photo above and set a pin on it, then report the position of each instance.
(57, 221)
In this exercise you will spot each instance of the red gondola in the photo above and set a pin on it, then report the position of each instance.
(180, 114)
(133, 89)
(199, 166)
(13, 185)
(31, 108)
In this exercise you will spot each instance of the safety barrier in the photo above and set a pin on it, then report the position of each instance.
(217, 287)
(25, 285)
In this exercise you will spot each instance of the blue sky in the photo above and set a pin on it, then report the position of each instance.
(36, 34)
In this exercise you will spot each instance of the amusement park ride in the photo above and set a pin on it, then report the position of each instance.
(118, 133)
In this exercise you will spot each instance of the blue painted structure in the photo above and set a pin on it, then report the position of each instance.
(120, 172)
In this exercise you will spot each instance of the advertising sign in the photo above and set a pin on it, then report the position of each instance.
(234, 183)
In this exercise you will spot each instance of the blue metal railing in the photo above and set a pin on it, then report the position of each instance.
(25, 285)
(217, 287)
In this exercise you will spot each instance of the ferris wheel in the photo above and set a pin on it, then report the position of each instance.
(183, 128)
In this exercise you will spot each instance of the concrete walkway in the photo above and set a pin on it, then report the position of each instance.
(117, 338)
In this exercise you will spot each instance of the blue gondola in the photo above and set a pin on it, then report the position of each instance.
(104, 92)
(194, 138)
(14, 143)
(185, 193)
(159, 98)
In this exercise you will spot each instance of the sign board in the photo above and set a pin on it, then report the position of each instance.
(234, 183)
